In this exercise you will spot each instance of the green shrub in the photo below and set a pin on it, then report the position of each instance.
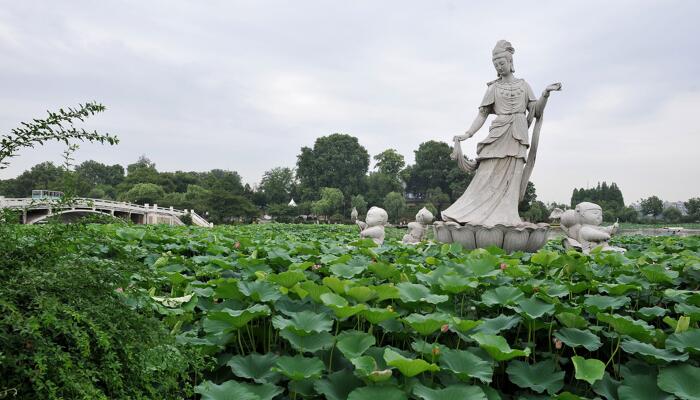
(65, 329)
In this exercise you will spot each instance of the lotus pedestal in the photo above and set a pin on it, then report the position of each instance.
(526, 237)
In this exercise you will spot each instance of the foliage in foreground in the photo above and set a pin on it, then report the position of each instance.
(66, 332)
(311, 312)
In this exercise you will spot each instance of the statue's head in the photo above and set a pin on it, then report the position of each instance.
(376, 217)
(502, 57)
(424, 216)
(589, 213)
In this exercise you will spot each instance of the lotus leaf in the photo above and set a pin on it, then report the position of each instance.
(407, 366)
(354, 343)
(416, 293)
(575, 337)
(681, 380)
(590, 370)
(466, 365)
(377, 392)
(452, 392)
(255, 366)
(299, 367)
(498, 347)
(540, 377)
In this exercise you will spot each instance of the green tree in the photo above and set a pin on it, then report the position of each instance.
(652, 206)
(693, 207)
(336, 161)
(536, 212)
(144, 193)
(389, 162)
(529, 197)
(44, 175)
(330, 203)
(672, 214)
(395, 205)
(439, 199)
(435, 168)
(379, 185)
(226, 207)
(95, 173)
(277, 185)
(358, 201)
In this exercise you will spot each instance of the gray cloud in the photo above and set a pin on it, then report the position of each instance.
(243, 85)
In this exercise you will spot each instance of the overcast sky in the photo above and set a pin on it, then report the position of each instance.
(197, 85)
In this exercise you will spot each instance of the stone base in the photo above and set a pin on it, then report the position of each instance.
(526, 237)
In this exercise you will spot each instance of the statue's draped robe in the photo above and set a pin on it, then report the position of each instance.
(493, 195)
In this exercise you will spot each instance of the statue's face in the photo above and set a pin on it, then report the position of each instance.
(592, 216)
(502, 66)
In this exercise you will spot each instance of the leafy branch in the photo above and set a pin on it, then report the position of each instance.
(58, 126)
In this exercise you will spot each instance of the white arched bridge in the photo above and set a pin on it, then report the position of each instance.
(38, 210)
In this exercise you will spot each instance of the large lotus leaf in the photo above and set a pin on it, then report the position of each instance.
(688, 310)
(464, 325)
(311, 289)
(626, 325)
(377, 315)
(338, 385)
(452, 392)
(386, 292)
(641, 386)
(336, 284)
(354, 343)
(407, 366)
(287, 278)
(597, 303)
(498, 347)
(416, 293)
(340, 306)
(426, 324)
(310, 343)
(571, 320)
(685, 341)
(466, 365)
(233, 390)
(366, 367)
(361, 294)
(539, 377)
(617, 289)
(502, 295)
(226, 288)
(348, 270)
(607, 387)
(590, 370)
(304, 323)
(299, 367)
(645, 349)
(649, 313)
(573, 337)
(453, 283)
(483, 265)
(384, 270)
(544, 257)
(659, 274)
(228, 320)
(377, 392)
(681, 380)
(255, 366)
(492, 326)
(534, 308)
(259, 290)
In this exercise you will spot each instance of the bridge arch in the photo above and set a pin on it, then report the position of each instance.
(69, 213)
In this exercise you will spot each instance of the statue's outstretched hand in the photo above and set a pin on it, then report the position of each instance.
(460, 138)
(553, 87)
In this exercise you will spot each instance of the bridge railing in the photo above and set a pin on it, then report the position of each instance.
(86, 202)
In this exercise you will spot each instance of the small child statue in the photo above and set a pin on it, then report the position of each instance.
(373, 227)
(583, 230)
(417, 230)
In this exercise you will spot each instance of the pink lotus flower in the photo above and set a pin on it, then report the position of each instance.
(237, 245)
(436, 351)
(558, 344)
(119, 290)
(504, 266)
(316, 267)
(444, 328)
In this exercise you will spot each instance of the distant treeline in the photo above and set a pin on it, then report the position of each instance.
(328, 180)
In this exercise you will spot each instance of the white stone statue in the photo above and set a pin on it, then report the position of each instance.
(353, 214)
(487, 213)
(373, 226)
(583, 230)
(418, 228)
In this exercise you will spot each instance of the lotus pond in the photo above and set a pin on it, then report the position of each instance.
(310, 311)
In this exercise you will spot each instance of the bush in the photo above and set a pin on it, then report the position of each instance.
(66, 330)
